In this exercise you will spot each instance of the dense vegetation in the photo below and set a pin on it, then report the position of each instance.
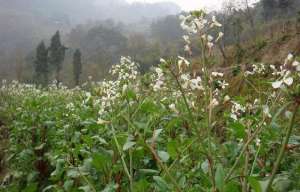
(186, 125)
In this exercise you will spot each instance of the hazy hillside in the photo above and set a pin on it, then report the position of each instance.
(24, 23)
(79, 11)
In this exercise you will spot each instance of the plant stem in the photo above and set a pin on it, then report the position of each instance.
(282, 149)
(183, 95)
(254, 161)
(122, 158)
(244, 150)
(246, 167)
(166, 170)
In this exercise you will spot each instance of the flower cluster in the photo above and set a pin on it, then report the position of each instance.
(196, 23)
(237, 110)
(285, 72)
(159, 82)
(258, 68)
(126, 72)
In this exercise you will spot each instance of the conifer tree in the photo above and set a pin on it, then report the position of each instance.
(77, 66)
(41, 64)
(56, 55)
(269, 7)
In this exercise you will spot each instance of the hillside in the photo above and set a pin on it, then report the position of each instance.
(269, 46)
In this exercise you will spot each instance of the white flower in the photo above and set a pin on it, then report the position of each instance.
(187, 48)
(226, 98)
(195, 84)
(159, 71)
(233, 116)
(162, 60)
(158, 85)
(182, 60)
(297, 65)
(215, 22)
(220, 35)
(288, 59)
(185, 77)
(286, 80)
(236, 110)
(210, 45)
(214, 102)
(217, 74)
(257, 142)
(186, 80)
(210, 38)
(186, 39)
(173, 108)
(266, 111)
(223, 84)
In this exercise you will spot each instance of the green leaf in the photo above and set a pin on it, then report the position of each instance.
(110, 188)
(164, 156)
(238, 129)
(255, 185)
(130, 94)
(100, 161)
(205, 166)
(219, 178)
(263, 185)
(148, 106)
(277, 114)
(68, 185)
(128, 145)
(156, 134)
(73, 173)
(161, 183)
(172, 148)
(48, 188)
(232, 187)
(32, 187)
(149, 171)
(85, 188)
(141, 186)
(40, 147)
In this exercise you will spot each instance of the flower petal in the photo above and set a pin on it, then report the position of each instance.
(277, 84)
(288, 81)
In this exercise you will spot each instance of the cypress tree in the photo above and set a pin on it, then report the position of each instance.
(41, 64)
(269, 7)
(56, 55)
(77, 66)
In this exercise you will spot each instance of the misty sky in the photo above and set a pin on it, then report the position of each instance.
(192, 4)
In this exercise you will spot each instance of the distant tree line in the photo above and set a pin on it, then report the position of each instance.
(102, 43)
(50, 60)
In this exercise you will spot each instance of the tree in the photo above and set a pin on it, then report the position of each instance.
(77, 66)
(19, 64)
(41, 64)
(56, 55)
(269, 8)
(285, 6)
(249, 16)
